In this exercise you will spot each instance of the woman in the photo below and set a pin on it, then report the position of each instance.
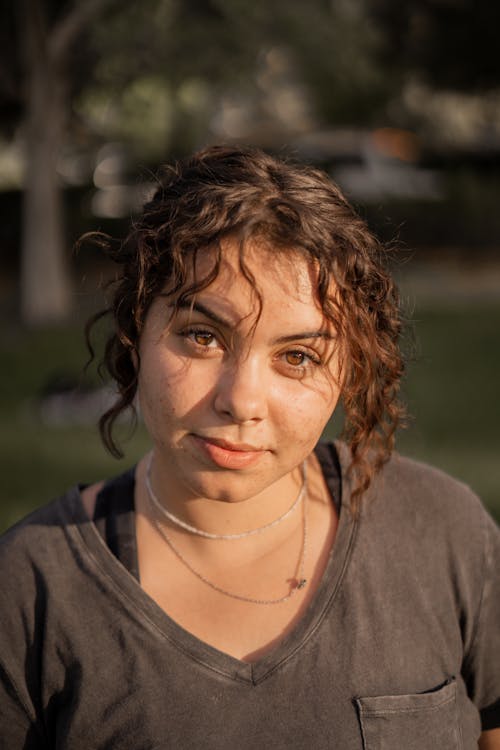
(244, 585)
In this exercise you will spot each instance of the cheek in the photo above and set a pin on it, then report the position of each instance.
(170, 389)
(307, 412)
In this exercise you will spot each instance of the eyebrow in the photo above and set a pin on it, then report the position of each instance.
(222, 321)
(306, 335)
(199, 307)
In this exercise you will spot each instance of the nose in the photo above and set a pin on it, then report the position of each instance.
(241, 391)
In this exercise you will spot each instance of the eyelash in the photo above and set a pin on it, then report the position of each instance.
(309, 360)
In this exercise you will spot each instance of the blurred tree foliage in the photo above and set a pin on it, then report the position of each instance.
(155, 74)
(66, 61)
(447, 44)
(197, 51)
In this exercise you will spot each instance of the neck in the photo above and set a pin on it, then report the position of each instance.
(223, 514)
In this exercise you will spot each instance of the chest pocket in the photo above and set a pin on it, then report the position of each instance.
(424, 721)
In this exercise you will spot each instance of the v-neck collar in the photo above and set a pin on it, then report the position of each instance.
(81, 529)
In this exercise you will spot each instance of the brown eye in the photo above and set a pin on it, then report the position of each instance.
(203, 338)
(295, 358)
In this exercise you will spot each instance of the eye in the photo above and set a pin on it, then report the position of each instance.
(299, 360)
(201, 338)
(295, 358)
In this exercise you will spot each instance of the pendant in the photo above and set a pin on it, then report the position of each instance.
(301, 583)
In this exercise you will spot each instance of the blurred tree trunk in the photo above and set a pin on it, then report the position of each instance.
(45, 281)
(46, 292)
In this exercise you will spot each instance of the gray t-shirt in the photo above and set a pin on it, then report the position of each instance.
(400, 647)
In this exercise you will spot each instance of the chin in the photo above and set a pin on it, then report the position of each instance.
(232, 488)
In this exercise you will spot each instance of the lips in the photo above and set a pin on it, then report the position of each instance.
(229, 455)
(241, 447)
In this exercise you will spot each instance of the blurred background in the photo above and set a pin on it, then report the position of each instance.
(399, 102)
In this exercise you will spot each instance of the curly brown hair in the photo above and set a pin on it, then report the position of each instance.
(246, 193)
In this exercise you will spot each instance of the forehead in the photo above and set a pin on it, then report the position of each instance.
(259, 270)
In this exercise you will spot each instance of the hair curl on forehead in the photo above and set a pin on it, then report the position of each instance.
(247, 194)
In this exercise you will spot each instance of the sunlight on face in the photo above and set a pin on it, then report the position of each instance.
(235, 400)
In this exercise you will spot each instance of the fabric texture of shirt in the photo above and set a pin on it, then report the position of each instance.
(400, 647)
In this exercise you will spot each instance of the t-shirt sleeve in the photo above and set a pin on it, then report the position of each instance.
(17, 730)
(481, 669)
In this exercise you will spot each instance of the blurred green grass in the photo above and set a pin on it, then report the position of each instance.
(37, 461)
(451, 389)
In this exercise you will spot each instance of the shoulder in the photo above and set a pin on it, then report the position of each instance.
(413, 503)
(35, 560)
(37, 535)
(47, 535)
(410, 477)
(432, 518)
(418, 489)
(403, 481)
(38, 591)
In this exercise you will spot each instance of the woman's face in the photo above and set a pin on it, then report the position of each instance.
(234, 403)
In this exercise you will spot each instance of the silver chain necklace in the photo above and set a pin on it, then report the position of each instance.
(298, 583)
(206, 534)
